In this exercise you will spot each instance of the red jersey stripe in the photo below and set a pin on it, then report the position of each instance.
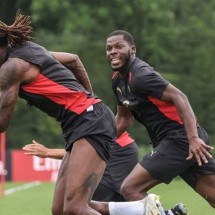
(169, 110)
(72, 100)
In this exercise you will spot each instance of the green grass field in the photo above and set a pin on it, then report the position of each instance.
(36, 200)
(179, 191)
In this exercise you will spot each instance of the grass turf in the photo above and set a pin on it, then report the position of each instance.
(37, 199)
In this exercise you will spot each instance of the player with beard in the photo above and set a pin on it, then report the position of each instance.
(181, 146)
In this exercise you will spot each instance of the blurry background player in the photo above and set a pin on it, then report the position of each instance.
(124, 157)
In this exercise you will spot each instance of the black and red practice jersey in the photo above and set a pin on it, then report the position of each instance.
(141, 91)
(55, 90)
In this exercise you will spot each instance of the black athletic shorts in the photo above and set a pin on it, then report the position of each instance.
(120, 164)
(168, 159)
(97, 126)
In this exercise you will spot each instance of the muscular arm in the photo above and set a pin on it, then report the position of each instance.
(124, 118)
(11, 73)
(197, 147)
(41, 151)
(73, 63)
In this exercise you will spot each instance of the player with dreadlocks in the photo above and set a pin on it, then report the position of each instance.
(49, 82)
(29, 71)
(17, 33)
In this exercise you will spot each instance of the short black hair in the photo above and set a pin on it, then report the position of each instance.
(126, 36)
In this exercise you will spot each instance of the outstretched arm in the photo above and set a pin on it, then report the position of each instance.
(41, 151)
(198, 148)
(73, 63)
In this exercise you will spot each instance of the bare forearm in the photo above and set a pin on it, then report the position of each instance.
(41, 151)
(74, 64)
(122, 124)
(81, 74)
(55, 153)
(124, 117)
(187, 115)
(197, 147)
(121, 127)
(184, 109)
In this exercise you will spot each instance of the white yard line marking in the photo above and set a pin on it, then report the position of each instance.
(22, 187)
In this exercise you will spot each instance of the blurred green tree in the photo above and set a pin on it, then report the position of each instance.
(175, 37)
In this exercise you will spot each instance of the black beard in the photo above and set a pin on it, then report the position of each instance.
(125, 66)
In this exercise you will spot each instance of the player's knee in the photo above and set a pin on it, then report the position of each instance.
(127, 191)
(131, 192)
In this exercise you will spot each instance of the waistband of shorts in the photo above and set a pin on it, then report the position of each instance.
(93, 106)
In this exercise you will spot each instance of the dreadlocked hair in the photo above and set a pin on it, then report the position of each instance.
(17, 33)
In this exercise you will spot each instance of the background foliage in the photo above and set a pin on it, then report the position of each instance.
(176, 37)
